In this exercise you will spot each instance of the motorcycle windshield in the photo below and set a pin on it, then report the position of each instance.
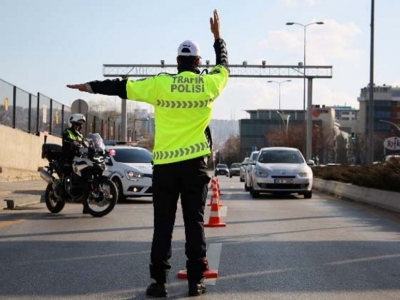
(96, 142)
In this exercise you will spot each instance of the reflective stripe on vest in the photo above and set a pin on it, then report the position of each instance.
(183, 104)
(75, 135)
(181, 152)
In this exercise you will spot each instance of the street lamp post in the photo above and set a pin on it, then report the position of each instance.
(279, 83)
(395, 125)
(279, 104)
(309, 119)
(134, 125)
(283, 121)
(391, 123)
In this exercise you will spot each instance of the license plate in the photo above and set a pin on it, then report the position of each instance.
(283, 181)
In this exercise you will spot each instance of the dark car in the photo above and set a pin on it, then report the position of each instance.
(234, 170)
(221, 169)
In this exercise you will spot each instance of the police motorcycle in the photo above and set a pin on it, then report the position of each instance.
(85, 185)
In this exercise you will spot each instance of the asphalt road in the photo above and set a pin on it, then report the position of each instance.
(271, 248)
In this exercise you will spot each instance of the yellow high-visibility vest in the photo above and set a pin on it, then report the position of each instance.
(74, 135)
(183, 106)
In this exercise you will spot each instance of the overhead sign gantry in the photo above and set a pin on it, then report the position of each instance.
(237, 71)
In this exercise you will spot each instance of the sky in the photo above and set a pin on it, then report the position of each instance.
(46, 44)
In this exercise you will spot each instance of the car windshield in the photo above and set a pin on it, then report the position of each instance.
(221, 166)
(280, 157)
(246, 161)
(236, 165)
(254, 156)
(134, 155)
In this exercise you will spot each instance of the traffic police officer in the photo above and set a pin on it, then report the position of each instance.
(72, 139)
(183, 109)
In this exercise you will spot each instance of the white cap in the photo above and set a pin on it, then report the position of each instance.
(189, 48)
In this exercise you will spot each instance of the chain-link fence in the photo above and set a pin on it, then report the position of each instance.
(39, 113)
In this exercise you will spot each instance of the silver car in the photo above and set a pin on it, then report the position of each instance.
(243, 166)
(131, 170)
(281, 170)
(248, 168)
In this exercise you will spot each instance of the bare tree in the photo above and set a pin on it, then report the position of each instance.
(104, 104)
(324, 144)
(147, 142)
(231, 150)
(292, 137)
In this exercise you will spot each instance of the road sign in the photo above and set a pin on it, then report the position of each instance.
(392, 143)
(79, 106)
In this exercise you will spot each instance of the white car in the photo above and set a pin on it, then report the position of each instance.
(281, 170)
(131, 170)
(248, 168)
(243, 166)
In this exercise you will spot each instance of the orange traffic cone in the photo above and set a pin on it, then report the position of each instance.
(212, 183)
(215, 218)
(219, 190)
(214, 195)
(207, 274)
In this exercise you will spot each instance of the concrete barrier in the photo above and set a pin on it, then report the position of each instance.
(378, 198)
(21, 154)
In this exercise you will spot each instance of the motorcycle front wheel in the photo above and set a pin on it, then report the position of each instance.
(52, 204)
(102, 200)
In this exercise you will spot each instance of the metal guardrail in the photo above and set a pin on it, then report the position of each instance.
(39, 113)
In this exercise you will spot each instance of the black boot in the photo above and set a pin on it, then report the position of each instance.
(157, 290)
(196, 288)
(85, 210)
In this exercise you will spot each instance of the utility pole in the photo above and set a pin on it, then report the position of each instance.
(370, 158)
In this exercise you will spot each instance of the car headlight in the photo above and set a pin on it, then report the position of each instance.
(260, 172)
(304, 174)
(132, 175)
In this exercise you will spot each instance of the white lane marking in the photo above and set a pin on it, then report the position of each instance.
(213, 256)
(223, 211)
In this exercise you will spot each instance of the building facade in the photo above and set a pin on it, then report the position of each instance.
(386, 120)
(253, 131)
(331, 144)
(347, 118)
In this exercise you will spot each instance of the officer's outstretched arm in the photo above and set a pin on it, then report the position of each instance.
(109, 87)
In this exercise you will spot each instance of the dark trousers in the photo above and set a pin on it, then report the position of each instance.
(189, 180)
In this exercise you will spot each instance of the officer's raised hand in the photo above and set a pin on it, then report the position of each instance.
(215, 25)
